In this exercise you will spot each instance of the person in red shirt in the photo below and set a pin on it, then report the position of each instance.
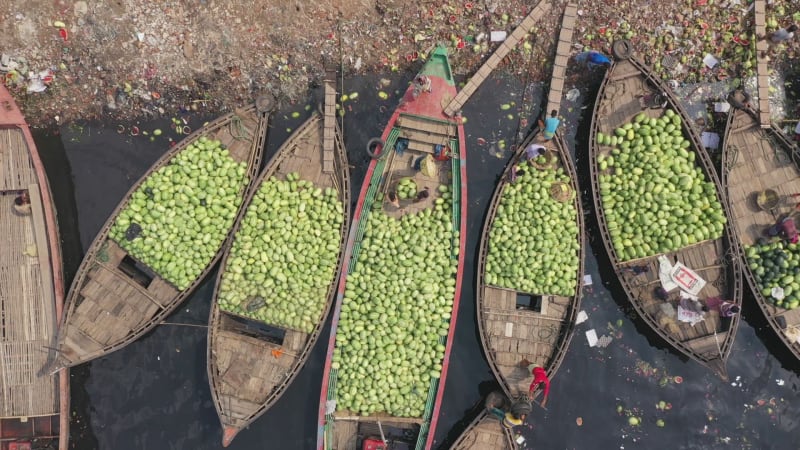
(539, 377)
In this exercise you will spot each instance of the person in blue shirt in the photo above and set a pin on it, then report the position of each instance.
(593, 59)
(550, 125)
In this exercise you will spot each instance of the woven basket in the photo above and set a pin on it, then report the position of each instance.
(767, 199)
(560, 191)
(544, 161)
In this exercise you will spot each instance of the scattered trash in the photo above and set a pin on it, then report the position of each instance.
(780, 382)
(591, 336)
(498, 36)
(587, 280)
(710, 140)
(710, 61)
(604, 341)
(579, 421)
(582, 317)
(573, 94)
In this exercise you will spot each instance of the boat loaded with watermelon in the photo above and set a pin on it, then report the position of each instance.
(163, 238)
(762, 177)
(662, 216)
(397, 301)
(277, 281)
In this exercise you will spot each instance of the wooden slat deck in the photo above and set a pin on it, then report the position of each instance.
(708, 342)
(26, 289)
(496, 58)
(107, 308)
(755, 159)
(246, 377)
(485, 433)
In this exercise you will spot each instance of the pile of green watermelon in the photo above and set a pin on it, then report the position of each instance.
(533, 243)
(284, 255)
(177, 219)
(655, 197)
(396, 311)
(776, 264)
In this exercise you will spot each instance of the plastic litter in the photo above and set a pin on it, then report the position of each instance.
(573, 94)
(498, 36)
(582, 317)
(591, 337)
(710, 61)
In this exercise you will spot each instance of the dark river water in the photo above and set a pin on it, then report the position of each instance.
(154, 393)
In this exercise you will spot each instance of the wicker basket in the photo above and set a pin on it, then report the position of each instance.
(767, 199)
(544, 161)
(560, 191)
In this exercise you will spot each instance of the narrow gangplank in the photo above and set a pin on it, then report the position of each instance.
(755, 160)
(34, 405)
(349, 417)
(115, 297)
(253, 355)
(628, 89)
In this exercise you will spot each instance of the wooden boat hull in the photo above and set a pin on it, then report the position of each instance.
(541, 336)
(115, 298)
(755, 159)
(35, 404)
(249, 374)
(485, 433)
(710, 341)
(419, 115)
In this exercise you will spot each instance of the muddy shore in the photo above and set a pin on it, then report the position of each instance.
(128, 60)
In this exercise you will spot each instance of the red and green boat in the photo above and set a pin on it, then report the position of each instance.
(397, 300)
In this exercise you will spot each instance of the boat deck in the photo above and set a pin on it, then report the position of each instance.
(27, 301)
(755, 160)
(485, 433)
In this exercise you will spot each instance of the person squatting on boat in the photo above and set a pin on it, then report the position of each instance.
(786, 228)
(549, 125)
(539, 377)
(507, 419)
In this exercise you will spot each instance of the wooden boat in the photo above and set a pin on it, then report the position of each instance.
(533, 319)
(387, 261)
(34, 406)
(116, 297)
(253, 358)
(758, 162)
(486, 431)
(628, 90)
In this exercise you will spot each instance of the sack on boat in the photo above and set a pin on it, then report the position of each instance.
(792, 334)
(687, 279)
(664, 269)
(428, 167)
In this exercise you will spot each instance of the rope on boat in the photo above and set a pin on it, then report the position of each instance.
(238, 130)
(733, 158)
(184, 324)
